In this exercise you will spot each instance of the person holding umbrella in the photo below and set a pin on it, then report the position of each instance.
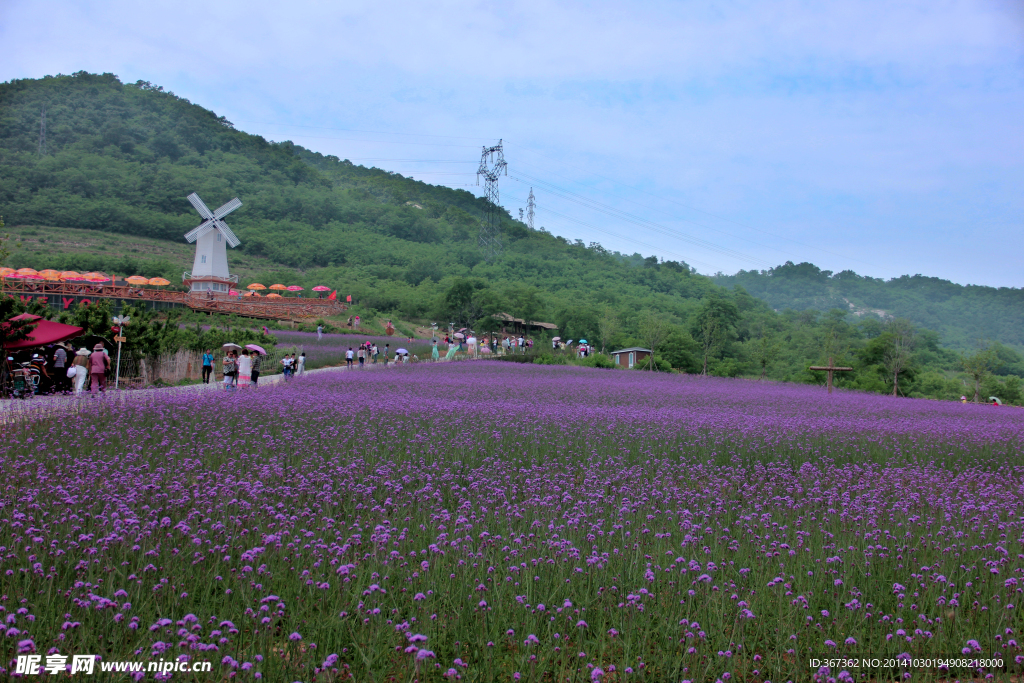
(230, 366)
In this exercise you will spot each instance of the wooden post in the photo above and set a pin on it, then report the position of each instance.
(829, 369)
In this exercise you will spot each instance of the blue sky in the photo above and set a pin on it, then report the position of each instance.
(883, 137)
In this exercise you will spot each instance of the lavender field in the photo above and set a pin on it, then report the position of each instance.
(488, 521)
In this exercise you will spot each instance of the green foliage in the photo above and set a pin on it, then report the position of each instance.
(960, 314)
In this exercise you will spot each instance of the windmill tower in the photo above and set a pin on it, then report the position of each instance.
(212, 237)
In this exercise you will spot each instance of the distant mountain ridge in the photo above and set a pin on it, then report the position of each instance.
(961, 314)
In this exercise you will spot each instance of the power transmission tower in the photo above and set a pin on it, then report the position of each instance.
(42, 133)
(492, 164)
(531, 206)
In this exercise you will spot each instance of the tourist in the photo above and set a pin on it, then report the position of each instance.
(433, 351)
(375, 352)
(521, 343)
(228, 368)
(963, 399)
(387, 350)
(300, 364)
(244, 369)
(319, 332)
(362, 356)
(257, 365)
(60, 359)
(348, 357)
(287, 366)
(99, 364)
(356, 322)
(207, 365)
(81, 365)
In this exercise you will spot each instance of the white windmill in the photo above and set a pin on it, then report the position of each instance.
(212, 237)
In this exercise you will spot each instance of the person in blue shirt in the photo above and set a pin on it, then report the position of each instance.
(207, 365)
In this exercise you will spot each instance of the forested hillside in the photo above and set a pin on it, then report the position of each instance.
(962, 315)
(121, 158)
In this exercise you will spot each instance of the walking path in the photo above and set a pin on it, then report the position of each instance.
(13, 410)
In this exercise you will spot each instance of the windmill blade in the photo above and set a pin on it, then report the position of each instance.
(229, 236)
(198, 231)
(227, 208)
(200, 207)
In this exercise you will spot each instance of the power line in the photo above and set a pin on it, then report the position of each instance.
(693, 208)
(379, 142)
(631, 240)
(356, 130)
(568, 195)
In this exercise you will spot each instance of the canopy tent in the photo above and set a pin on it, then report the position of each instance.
(45, 332)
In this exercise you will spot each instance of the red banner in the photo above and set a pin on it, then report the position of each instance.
(333, 295)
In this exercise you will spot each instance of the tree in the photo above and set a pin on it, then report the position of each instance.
(653, 330)
(899, 349)
(607, 327)
(523, 302)
(712, 325)
(766, 350)
(977, 366)
(466, 301)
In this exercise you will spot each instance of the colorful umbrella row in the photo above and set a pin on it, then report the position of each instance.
(50, 275)
(288, 288)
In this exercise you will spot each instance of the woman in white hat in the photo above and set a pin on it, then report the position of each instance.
(81, 366)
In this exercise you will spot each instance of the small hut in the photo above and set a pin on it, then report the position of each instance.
(627, 358)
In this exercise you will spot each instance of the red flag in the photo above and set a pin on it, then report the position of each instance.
(349, 298)
(333, 295)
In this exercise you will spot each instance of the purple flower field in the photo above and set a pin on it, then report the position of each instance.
(493, 521)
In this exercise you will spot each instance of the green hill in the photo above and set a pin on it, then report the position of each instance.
(108, 193)
(960, 314)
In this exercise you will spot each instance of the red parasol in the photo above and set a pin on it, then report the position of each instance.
(45, 332)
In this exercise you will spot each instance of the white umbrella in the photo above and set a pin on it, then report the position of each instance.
(402, 351)
(459, 335)
(231, 345)
(556, 339)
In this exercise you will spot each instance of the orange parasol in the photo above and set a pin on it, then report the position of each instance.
(278, 287)
(23, 272)
(71, 275)
(95, 277)
(50, 274)
(159, 281)
(255, 285)
(252, 293)
(4, 272)
(274, 295)
(137, 280)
